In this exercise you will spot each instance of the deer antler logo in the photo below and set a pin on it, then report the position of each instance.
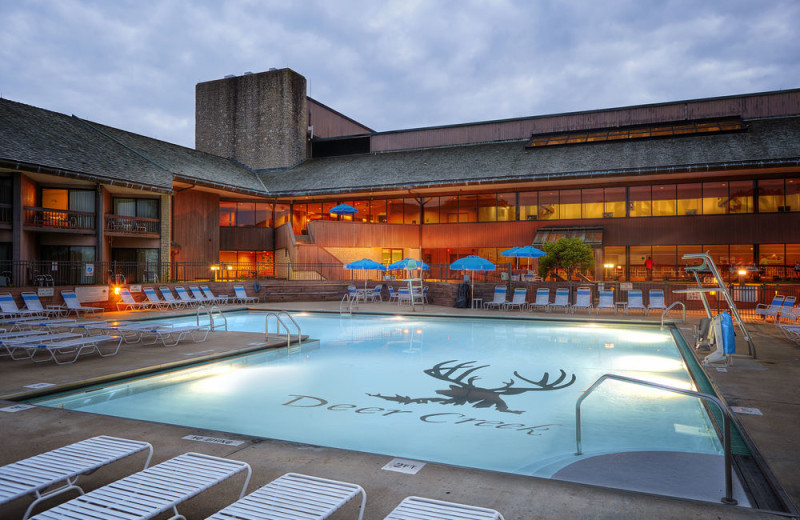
(463, 392)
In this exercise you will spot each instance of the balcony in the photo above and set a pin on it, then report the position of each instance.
(137, 226)
(5, 215)
(48, 219)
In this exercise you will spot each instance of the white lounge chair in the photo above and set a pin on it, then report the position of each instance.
(153, 491)
(429, 509)
(772, 309)
(656, 300)
(519, 299)
(33, 304)
(499, 300)
(561, 301)
(635, 301)
(210, 295)
(375, 294)
(63, 467)
(392, 293)
(583, 299)
(74, 305)
(74, 348)
(171, 336)
(154, 300)
(24, 347)
(166, 293)
(241, 295)
(792, 332)
(187, 298)
(294, 496)
(605, 300)
(8, 307)
(786, 310)
(198, 295)
(128, 302)
(542, 301)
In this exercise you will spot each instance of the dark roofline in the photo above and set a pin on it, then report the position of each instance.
(576, 113)
(623, 172)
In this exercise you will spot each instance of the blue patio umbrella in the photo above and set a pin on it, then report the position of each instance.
(365, 264)
(405, 263)
(343, 209)
(472, 263)
(510, 252)
(523, 252)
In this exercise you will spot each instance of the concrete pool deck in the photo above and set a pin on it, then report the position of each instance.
(769, 384)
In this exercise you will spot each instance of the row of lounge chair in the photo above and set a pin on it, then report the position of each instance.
(583, 300)
(163, 487)
(781, 308)
(34, 307)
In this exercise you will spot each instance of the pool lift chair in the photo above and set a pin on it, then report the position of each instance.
(155, 490)
(708, 265)
(62, 467)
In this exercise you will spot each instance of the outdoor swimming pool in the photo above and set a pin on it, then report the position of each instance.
(494, 394)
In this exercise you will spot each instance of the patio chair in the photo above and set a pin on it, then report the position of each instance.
(499, 300)
(635, 301)
(519, 299)
(129, 303)
(656, 300)
(792, 315)
(606, 301)
(542, 300)
(353, 294)
(375, 294)
(73, 348)
(294, 496)
(153, 491)
(63, 467)
(430, 509)
(561, 301)
(33, 304)
(786, 309)
(772, 309)
(8, 307)
(198, 295)
(583, 299)
(392, 294)
(166, 293)
(154, 300)
(223, 298)
(187, 298)
(241, 295)
(171, 336)
(791, 332)
(74, 305)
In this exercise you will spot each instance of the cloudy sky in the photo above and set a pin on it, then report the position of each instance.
(133, 64)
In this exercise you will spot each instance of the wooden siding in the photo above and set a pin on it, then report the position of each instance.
(245, 239)
(329, 123)
(750, 106)
(769, 228)
(357, 234)
(196, 226)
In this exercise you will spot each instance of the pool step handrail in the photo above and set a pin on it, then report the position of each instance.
(726, 422)
(346, 305)
(666, 311)
(279, 322)
(708, 264)
(213, 313)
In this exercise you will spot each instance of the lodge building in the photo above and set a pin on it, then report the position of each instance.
(643, 182)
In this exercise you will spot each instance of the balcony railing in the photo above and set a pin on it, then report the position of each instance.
(59, 219)
(132, 225)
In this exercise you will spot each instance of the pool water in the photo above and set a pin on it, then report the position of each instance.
(495, 394)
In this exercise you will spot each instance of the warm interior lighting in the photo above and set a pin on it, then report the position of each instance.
(215, 268)
(608, 266)
(742, 272)
(116, 290)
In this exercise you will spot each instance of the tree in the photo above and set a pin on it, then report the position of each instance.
(568, 254)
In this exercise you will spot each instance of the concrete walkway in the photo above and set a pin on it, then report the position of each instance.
(769, 384)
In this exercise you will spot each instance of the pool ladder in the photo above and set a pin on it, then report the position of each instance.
(279, 323)
(726, 420)
(666, 311)
(213, 314)
(347, 304)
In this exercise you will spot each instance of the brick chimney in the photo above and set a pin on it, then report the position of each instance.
(259, 120)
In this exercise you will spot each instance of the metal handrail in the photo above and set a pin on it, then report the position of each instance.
(726, 422)
(279, 322)
(213, 311)
(348, 309)
(666, 311)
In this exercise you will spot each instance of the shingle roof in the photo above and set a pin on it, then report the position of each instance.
(768, 140)
(36, 137)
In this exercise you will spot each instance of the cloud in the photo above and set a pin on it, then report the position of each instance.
(392, 64)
